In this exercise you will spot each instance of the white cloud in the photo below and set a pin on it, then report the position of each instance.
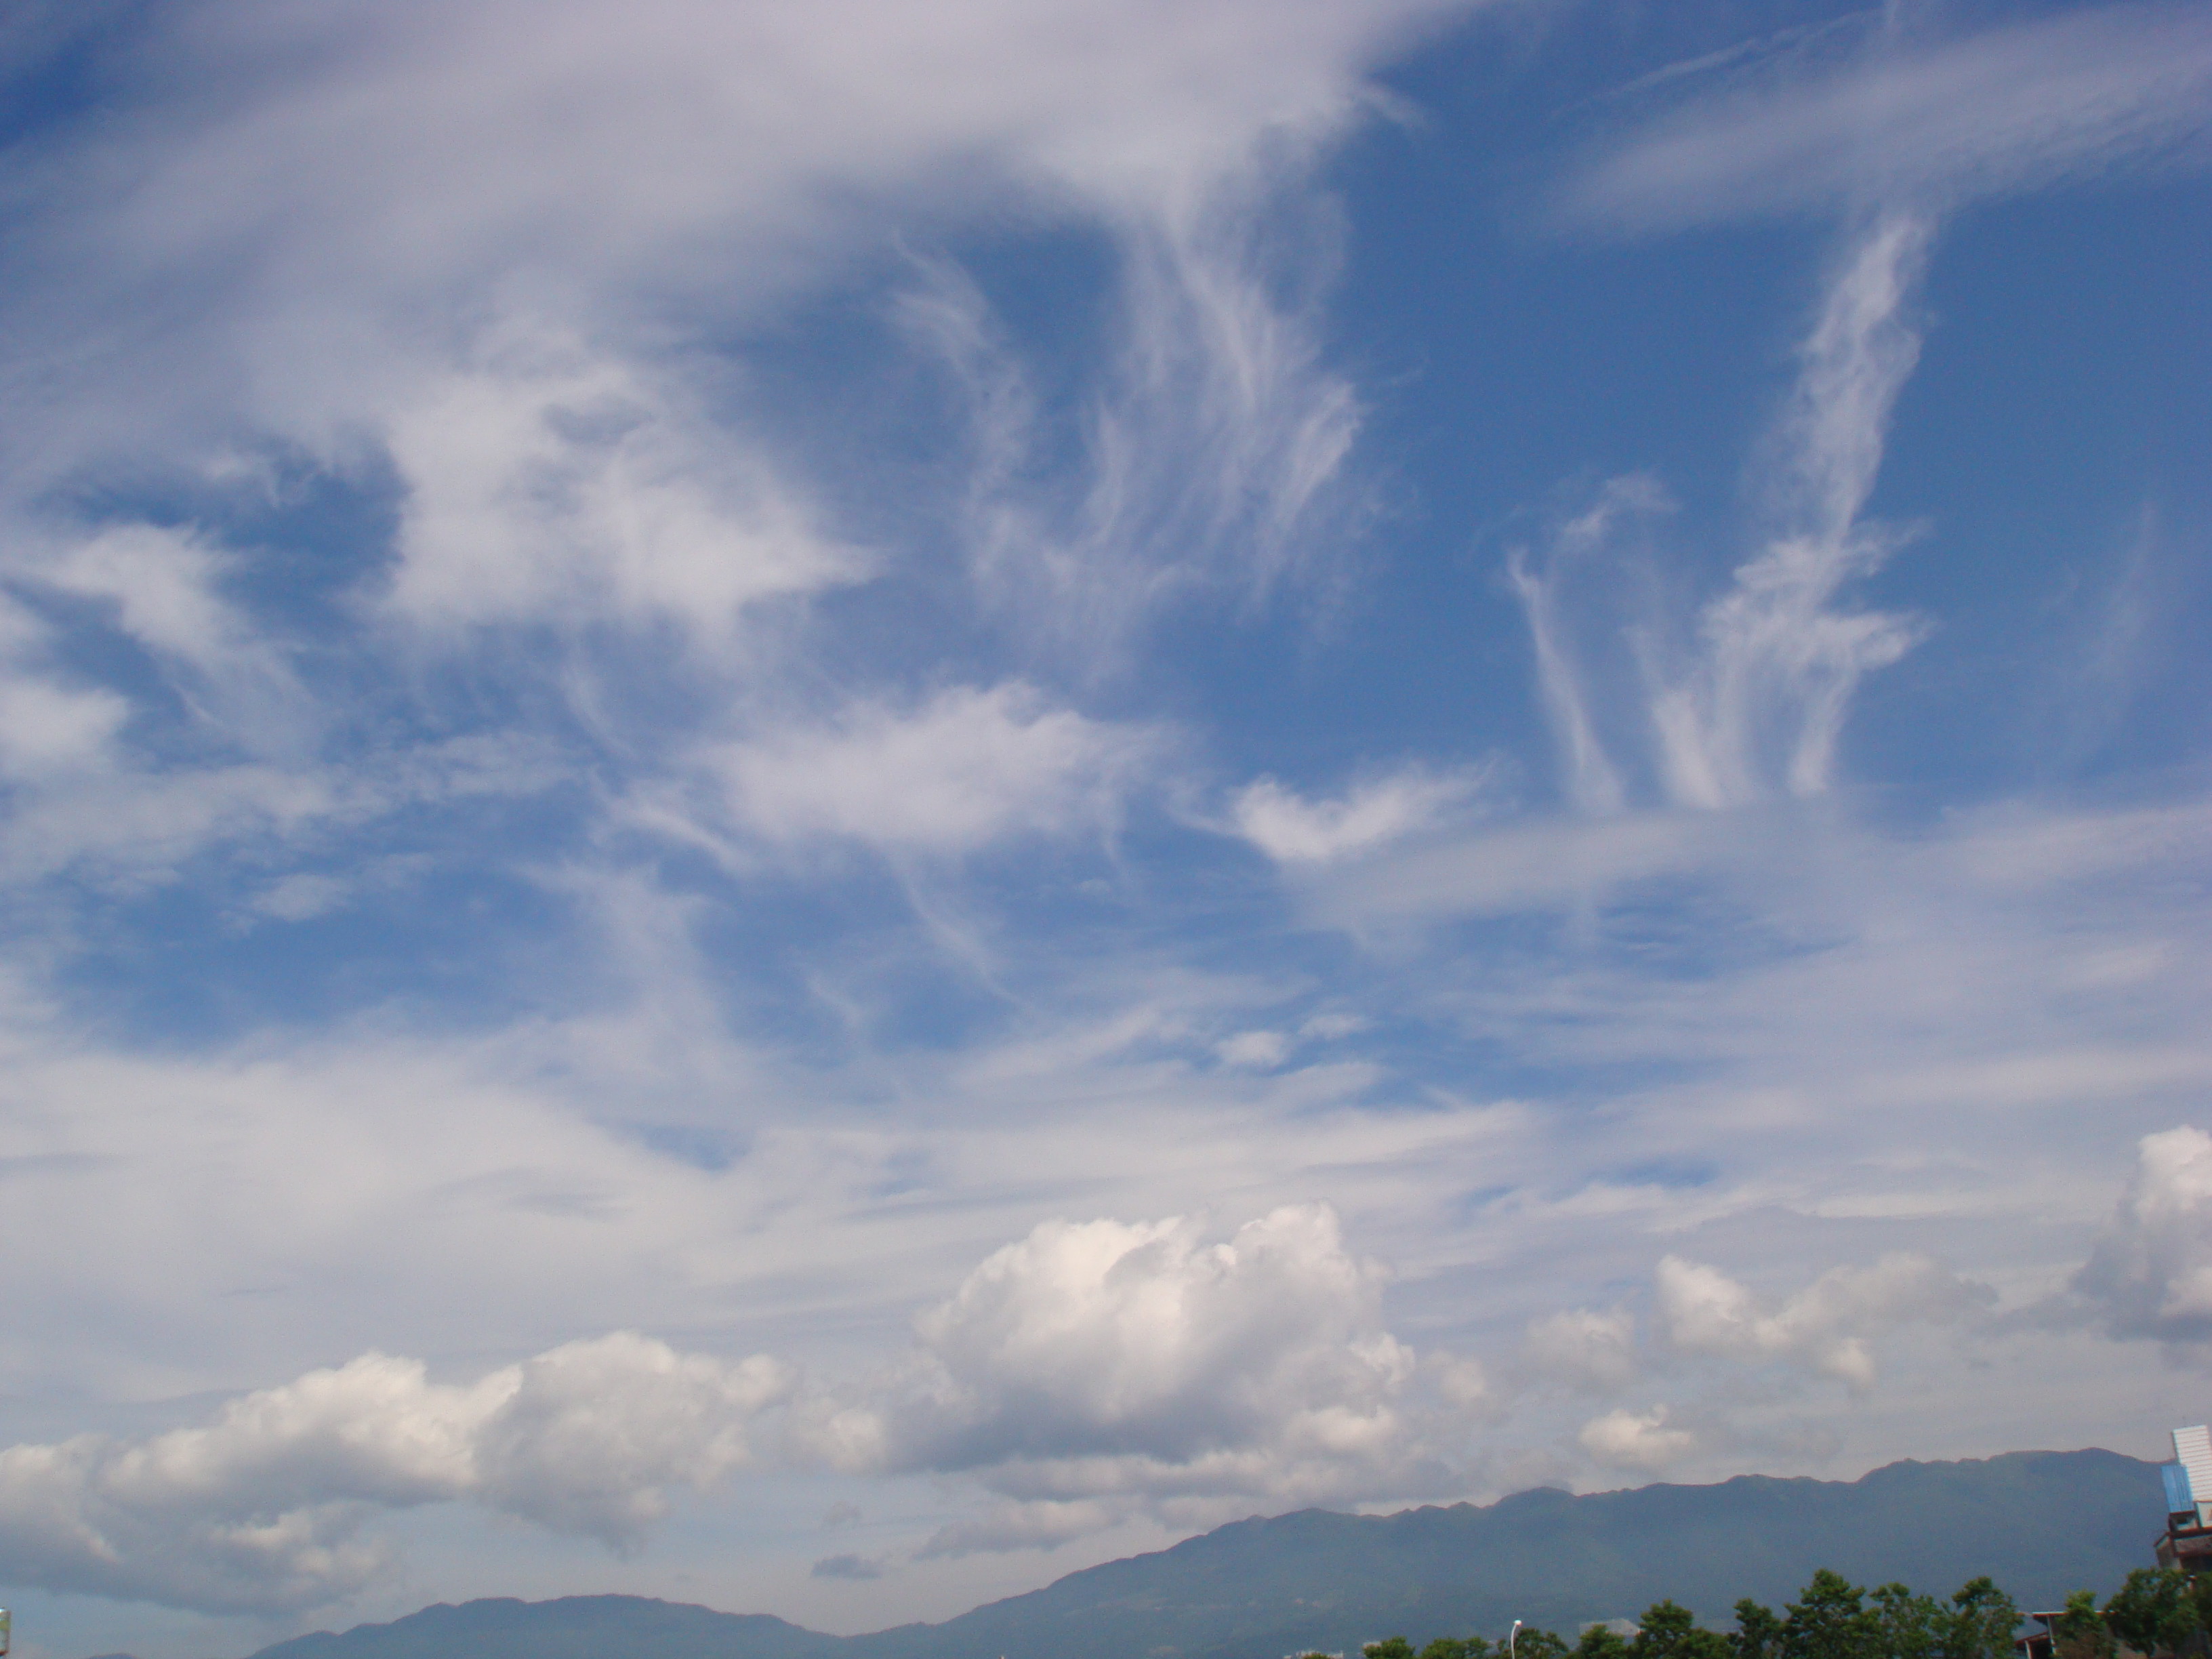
(1214, 464)
(1642, 1441)
(164, 585)
(494, 258)
(968, 767)
(48, 727)
(543, 483)
(1263, 1049)
(1767, 703)
(1752, 702)
(622, 182)
(1098, 1365)
(1521, 868)
(2151, 1273)
(45, 728)
(1291, 829)
(263, 1508)
(1583, 1348)
(1824, 1327)
(2009, 109)
(302, 898)
(1594, 784)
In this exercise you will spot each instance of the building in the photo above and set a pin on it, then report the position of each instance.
(2187, 1542)
(2039, 1644)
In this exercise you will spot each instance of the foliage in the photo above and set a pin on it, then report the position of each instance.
(1667, 1631)
(1831, 1618)
(2158, 1611)
(1980, 1623)
(1906, 1626)
(2153, 1610)
(1443, 1647)
(1757, 1632)
(2080, 1631)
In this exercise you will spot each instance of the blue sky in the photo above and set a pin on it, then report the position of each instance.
(822, 806)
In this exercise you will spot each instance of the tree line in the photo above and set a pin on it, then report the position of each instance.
(2158, 1611)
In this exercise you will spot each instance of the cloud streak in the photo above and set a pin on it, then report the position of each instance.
(1923, 126)
(1752, 703)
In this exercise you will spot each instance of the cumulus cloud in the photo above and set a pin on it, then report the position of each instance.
(1099, 1364)
(1642, 1441)
(1934, 124)
(968, 767)
(2150, 1274)
(1824, 1327)
(264, 1508)
(1292, 829)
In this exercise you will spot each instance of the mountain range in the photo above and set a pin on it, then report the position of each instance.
(2040, 1523)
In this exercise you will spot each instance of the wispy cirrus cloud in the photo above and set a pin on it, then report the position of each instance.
(1747, 700)
(1921, 125)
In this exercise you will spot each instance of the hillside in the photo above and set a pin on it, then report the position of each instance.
(2041, 1523)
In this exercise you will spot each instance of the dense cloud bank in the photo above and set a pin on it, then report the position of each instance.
(1089, 1371)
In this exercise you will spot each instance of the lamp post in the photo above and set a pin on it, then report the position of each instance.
(1509, 1635)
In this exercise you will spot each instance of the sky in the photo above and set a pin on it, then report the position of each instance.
(822, 805)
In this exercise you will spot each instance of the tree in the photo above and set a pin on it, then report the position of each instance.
(2080, 1632)
(2153, 1611)
(1834, 1619)
(1979, 1624)
(2200, 1595)
(1669, 1631)
(1758, 1632)
(1830, 1620)
(1906, 1625)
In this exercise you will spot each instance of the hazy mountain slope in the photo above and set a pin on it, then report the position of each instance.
(573, 1627)
(2039, 1522)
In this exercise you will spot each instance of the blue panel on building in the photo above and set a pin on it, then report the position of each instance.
(2178, 1495)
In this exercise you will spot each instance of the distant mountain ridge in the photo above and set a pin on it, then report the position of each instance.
(2040, 1523)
